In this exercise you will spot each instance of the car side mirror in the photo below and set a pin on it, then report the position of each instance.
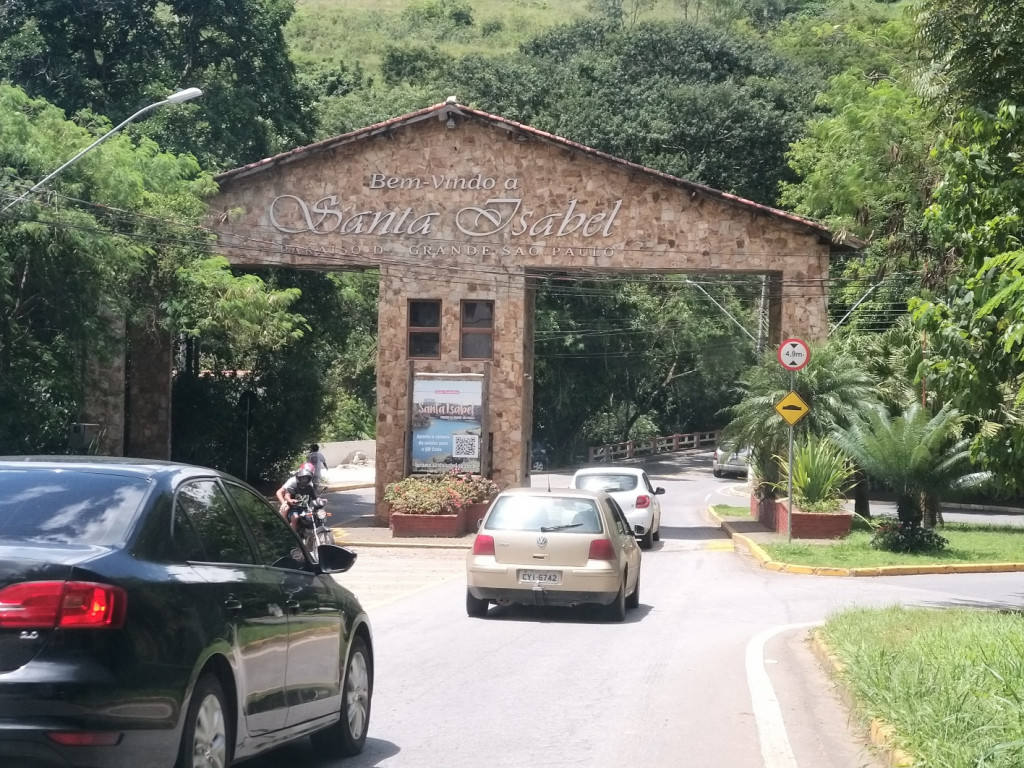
(334, 559)
(658, 491)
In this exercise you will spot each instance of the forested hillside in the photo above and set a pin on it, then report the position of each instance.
(893, 122)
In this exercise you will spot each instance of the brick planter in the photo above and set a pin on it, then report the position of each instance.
(428, 526)
(474, 513)
(812, 525)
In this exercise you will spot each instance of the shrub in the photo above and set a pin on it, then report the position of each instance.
(442, 493)
(821, 476)
(894, 536)
(423, 495)
(475, 489)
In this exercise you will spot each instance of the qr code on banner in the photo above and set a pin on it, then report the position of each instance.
(465, 446)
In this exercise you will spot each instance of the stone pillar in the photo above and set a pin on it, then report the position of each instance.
(148, 434)
(100, 430)
(509, 396)
(805, 298)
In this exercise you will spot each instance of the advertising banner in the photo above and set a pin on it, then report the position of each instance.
(446, 422)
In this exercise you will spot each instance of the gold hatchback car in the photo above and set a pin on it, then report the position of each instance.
(554, 547)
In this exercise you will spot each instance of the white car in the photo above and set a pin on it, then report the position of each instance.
(728, 460)
(632, 489)
(554, 547)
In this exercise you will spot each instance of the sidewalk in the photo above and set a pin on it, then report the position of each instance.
(365, 530)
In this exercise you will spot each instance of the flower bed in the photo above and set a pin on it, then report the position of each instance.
(446, 494)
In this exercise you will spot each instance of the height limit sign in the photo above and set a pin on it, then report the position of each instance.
(794, 354)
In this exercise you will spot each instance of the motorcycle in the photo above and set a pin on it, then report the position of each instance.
(311, 524)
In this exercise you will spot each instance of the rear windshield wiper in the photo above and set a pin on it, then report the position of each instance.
(549, 528)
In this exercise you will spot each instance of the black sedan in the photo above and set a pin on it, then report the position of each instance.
(155, 614)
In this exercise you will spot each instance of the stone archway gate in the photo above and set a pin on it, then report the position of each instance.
(454, 205)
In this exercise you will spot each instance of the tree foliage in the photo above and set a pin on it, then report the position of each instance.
(618, 359)
(975, 332)
(114, 57)
(918, 455)
(685, 99)
(833, 384)
(973, 48)
(101, 248)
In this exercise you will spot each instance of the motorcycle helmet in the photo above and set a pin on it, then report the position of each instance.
(305, 471)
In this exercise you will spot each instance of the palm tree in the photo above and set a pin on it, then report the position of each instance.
(835, 386)
(919, 456)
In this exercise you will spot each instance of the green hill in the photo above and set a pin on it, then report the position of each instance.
(358, 31)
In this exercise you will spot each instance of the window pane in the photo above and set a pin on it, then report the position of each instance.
(65, 506)
(424, 345)
(209, 511)
(476, 346)
(424, 314)
(277, 543)
(186, 541)
(478, 314)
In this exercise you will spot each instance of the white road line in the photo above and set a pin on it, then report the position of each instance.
(771, 729)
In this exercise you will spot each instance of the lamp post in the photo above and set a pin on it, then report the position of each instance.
(175, 98)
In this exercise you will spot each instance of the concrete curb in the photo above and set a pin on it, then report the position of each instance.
(348, 486)
(758, 553)
(879, 733)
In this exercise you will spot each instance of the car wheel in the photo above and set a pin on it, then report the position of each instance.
(657, 534)
(538, 466)
(633, 601)
(617, 610)
(348, 736)
(716, 472)
(204, 741)
(475, 607)
(647, 540)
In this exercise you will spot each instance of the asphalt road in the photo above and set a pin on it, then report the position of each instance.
(713, 670)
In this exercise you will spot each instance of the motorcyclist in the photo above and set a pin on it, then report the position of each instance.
(296, 489)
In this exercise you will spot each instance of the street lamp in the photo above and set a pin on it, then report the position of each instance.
(175, 98)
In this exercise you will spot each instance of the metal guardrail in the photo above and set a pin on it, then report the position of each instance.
(650, 446)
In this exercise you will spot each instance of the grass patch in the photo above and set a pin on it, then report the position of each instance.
(950, 682)
(968, 543)
(727, 510)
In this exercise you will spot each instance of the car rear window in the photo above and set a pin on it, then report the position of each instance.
(610, 483)
(544, 514)
(63, 506)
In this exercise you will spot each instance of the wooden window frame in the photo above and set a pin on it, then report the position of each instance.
(465, 330)
(413, 330)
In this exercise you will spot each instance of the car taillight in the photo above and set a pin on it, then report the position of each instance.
(483, 545)
(62, 604)
(601, 549)
(643, 501)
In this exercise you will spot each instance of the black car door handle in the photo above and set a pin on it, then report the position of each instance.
(292, 605)
(233, 604)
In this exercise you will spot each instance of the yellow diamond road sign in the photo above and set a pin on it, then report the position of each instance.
(792, 408)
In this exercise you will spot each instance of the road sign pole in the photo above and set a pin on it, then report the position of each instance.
(789, 500)
(793, 354)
